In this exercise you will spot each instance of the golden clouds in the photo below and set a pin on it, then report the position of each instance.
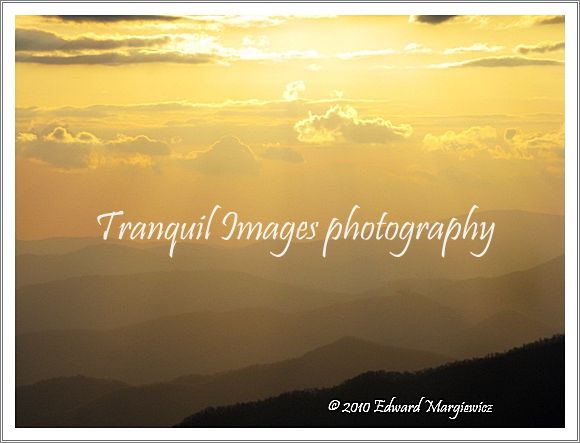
(343, 124)
(513, 144)
(308, 112)
(64, 150)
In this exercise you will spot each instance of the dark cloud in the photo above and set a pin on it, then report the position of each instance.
(113, 18)
(40, 41)
(283, 154)
(540, 48)
(431, 19)
(116, 58)
(500, 62)
(228, 156)
(550, 20)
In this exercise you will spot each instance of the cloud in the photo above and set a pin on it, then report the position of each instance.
(140, 144)
(431, 19)
(416, 48)
(410, 48)
(550, 20)
(513, 144)
(117, 58)
(535, 20)
(65, 150)
(259, 42)
(476, 138)
(282, 154)
(42, 47)
(218, 22)
(498, 62)
(547, 145)
(342, 123)
(541, 47)
(42, 41)
(59, 148)
(114, 18)
(227, 156)
(365, 53)
(476, 47)
(293, 90)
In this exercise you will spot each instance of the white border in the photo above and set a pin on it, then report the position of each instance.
(10, 10)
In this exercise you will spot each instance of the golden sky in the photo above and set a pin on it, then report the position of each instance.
(285, 117)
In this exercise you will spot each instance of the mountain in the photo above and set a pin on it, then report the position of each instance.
(537, 292)
(43, 403)
(500, 332)
(55, 245)
(164, 404)
(350, 266)
(519, 385)
(206, 342)
(113, 301)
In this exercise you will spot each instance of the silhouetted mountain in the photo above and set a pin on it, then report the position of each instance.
(525, 387)
(206, 342)
(113, 301)
(43, 403)
(350, 265)
(164, 404)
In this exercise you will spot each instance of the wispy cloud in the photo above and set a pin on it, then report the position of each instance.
(476, 47)
(36, 40)
(540, 48)
(365, 53)
(35, 46)
(535, 20)
(113, 18)
(498, 62)
(117, 58)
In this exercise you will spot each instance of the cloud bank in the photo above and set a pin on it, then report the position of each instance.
(512, 144)
(63, 149)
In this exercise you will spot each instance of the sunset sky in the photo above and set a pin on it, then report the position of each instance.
(285, 117)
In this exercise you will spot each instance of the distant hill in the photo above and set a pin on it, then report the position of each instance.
(537, 292)
(206, 342)
(351, 266)
(112, 301)
(525, 387)
(43, 403)
(164, 404)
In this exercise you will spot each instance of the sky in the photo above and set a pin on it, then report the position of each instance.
(285, 118)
